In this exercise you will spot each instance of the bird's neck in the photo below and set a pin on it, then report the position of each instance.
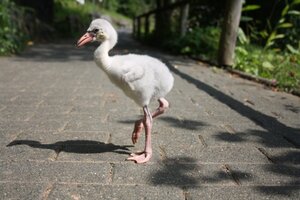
(101, 55)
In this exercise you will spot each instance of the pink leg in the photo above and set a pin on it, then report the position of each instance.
(138, 127)
(145, 156)
(163, 105)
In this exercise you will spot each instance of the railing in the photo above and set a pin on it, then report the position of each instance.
(138, 26)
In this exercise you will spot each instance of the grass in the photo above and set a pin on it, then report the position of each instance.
(281, 67)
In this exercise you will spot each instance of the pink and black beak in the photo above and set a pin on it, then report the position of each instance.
(88, 37)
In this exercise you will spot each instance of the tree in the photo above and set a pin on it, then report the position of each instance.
(229, 32)
(184, 15)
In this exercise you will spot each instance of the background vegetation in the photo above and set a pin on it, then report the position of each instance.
(268, 41)
(13, 32)
(25, 21)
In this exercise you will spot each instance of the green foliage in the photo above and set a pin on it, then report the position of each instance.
(130, 8)
(199, 41)
(279, 28)
(283, 68)
(111, 5)
(250, 8)
(269, 48)
(278, 58)
(70, 18)
(13, 28)
(133, 8)
(278, 31)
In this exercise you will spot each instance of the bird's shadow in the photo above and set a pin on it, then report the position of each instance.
(75, 146)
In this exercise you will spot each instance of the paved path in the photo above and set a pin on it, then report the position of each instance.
(65, 133)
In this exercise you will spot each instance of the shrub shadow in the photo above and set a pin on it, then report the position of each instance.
(184, 123)
(263, 138)
(185, 172)
(269, 123)
(175, 122)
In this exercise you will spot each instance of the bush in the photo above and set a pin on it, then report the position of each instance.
(197, 42)
(132, 8)
(281, 67)
(13, 32)
(279, 58)
(70, 18)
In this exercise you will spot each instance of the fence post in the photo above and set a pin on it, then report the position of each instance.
(139, 27)
(134, 27)
(147, 25)
(229, 32)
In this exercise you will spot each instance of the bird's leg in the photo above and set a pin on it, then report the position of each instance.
(163, 105)
(138, 127)
(145, 156)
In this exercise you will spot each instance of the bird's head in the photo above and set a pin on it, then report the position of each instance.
(100, 30)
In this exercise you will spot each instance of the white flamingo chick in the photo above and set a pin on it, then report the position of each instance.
(142, 78)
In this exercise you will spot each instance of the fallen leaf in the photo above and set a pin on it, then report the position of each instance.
(248, 101)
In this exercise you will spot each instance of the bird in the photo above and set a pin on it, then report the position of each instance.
(141, 77)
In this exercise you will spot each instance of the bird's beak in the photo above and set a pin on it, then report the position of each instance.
(88, 37)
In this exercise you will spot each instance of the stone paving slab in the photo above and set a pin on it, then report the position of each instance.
(15, 190)
(284, 155)
(8, 136)
(171, 173)
(237, 193)
(267, 174)
(47, 171)
(224, 155)
(22, 152)
(66, 131)
(227, 136)
(126, 192)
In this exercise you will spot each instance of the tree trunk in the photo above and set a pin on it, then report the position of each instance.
(229, 32)
(184, 16)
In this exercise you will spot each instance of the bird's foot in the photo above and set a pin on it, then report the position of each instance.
(140, 157)
(138, 127)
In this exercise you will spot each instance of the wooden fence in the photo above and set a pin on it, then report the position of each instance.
(138, 26)
(229, 29)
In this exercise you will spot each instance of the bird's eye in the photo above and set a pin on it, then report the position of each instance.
(95, 30)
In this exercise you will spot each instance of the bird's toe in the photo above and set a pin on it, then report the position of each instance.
(140, 157)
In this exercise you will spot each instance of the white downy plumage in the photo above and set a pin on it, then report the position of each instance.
(141, 77)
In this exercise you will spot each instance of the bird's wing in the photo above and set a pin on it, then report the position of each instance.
(133, 74)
